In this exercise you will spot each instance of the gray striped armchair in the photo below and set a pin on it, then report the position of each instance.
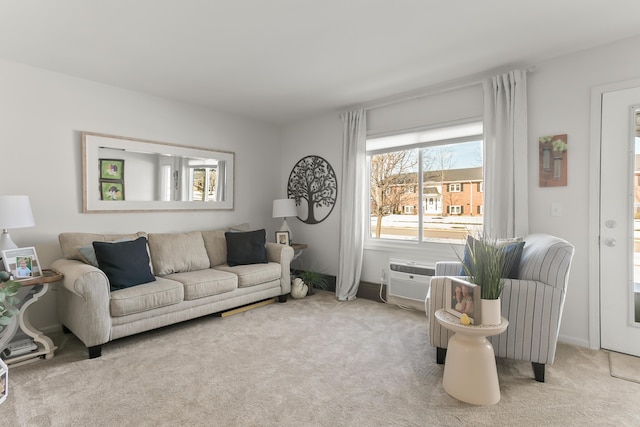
(532, 303)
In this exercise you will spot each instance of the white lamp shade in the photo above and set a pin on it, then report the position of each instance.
(15, 212)
(283, 208)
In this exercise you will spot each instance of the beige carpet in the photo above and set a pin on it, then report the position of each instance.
(310, 362)
(624, 366)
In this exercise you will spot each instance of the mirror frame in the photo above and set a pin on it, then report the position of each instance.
(92, 142)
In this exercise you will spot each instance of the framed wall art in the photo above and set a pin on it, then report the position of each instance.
(314, 186)
(553, 160)
(112, 169)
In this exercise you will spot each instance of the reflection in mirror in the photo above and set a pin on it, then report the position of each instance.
(126, 174)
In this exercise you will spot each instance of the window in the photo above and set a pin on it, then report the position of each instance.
(455, 210)
(424, 184)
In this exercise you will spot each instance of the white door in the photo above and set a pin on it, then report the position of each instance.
(619, 329)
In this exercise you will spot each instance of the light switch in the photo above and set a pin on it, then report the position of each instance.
(556, 209)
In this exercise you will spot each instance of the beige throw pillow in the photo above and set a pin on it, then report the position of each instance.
(177, 252)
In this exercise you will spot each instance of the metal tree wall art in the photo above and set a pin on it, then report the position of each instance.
(314, 187)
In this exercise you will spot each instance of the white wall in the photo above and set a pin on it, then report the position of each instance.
(42, 114)
(559, 102)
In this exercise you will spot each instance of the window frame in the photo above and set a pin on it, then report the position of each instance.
(399, 244)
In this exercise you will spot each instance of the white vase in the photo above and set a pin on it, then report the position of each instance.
(298, 289)
(490, 312)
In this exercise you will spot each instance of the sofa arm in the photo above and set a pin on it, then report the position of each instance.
(83, 301)
(438, 335)
(283, 255)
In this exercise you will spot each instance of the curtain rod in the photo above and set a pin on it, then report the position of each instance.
(434, 90)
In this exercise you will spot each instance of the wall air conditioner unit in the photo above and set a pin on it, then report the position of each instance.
(409, 279)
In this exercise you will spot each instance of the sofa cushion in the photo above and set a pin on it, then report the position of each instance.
(125, 263)
(70, 242)
(246, 247)
(177, 252)
(253, 274)
(145, 297)
(204, 283)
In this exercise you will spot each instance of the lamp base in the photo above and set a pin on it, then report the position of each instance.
(285, 227)
(6, 242)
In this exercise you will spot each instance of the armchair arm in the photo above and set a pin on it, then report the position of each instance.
(448, 268)
(283, 255)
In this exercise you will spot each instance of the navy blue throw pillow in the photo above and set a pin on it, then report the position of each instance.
(126, 264)
(513, 250)
(246, 247)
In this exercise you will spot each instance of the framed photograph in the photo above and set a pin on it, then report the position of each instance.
(462, 297)
(112, 169)
(111, 190)
(22, 263)
(283, 238)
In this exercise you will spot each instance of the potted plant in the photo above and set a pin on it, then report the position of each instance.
(313, 279)
(487, 261)
(8, 300)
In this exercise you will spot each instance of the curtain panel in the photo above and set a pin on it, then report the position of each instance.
(506, 207)
(352, 215)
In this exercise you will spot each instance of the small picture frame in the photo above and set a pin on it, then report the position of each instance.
(111, 190)
(22, 263)
(462, 297)
(112, 169)
(283, 238)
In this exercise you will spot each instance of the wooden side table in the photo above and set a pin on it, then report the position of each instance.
(38, 287)
(298, 248)
(470, 373)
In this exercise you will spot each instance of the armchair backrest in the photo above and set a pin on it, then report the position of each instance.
(546, 259)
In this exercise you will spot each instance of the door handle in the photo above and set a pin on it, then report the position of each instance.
(610, 242)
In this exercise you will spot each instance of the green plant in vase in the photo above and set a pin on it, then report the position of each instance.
(313, 279)
(487, 261)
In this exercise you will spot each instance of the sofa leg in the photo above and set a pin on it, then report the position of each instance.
(66, 330)
(538, 371)
(283, 298)
(441, 354)
(95, 351)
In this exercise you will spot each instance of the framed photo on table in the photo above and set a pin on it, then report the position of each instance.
(283, 238)
(462, 297)
(22, 263)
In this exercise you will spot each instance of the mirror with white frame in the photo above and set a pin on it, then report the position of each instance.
(127, 174)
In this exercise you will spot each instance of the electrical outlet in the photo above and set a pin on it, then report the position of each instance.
(556, 209)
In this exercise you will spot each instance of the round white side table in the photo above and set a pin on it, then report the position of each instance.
(470, 373)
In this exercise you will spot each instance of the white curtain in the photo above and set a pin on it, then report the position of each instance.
(506, 206)
(352, 198)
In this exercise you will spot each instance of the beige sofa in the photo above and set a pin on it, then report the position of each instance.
(192, 279)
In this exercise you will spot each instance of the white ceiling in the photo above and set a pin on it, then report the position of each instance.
(284, 60)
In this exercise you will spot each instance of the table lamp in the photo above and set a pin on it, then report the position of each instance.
(15, 212)
(282, 208)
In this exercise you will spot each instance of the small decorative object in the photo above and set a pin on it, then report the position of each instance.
(464, 299)
(282, 237)
(553, 161)
(314, 187)
(313, 279)
(465, 320)
(299, 289)
(486, 262)
(22, 263)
